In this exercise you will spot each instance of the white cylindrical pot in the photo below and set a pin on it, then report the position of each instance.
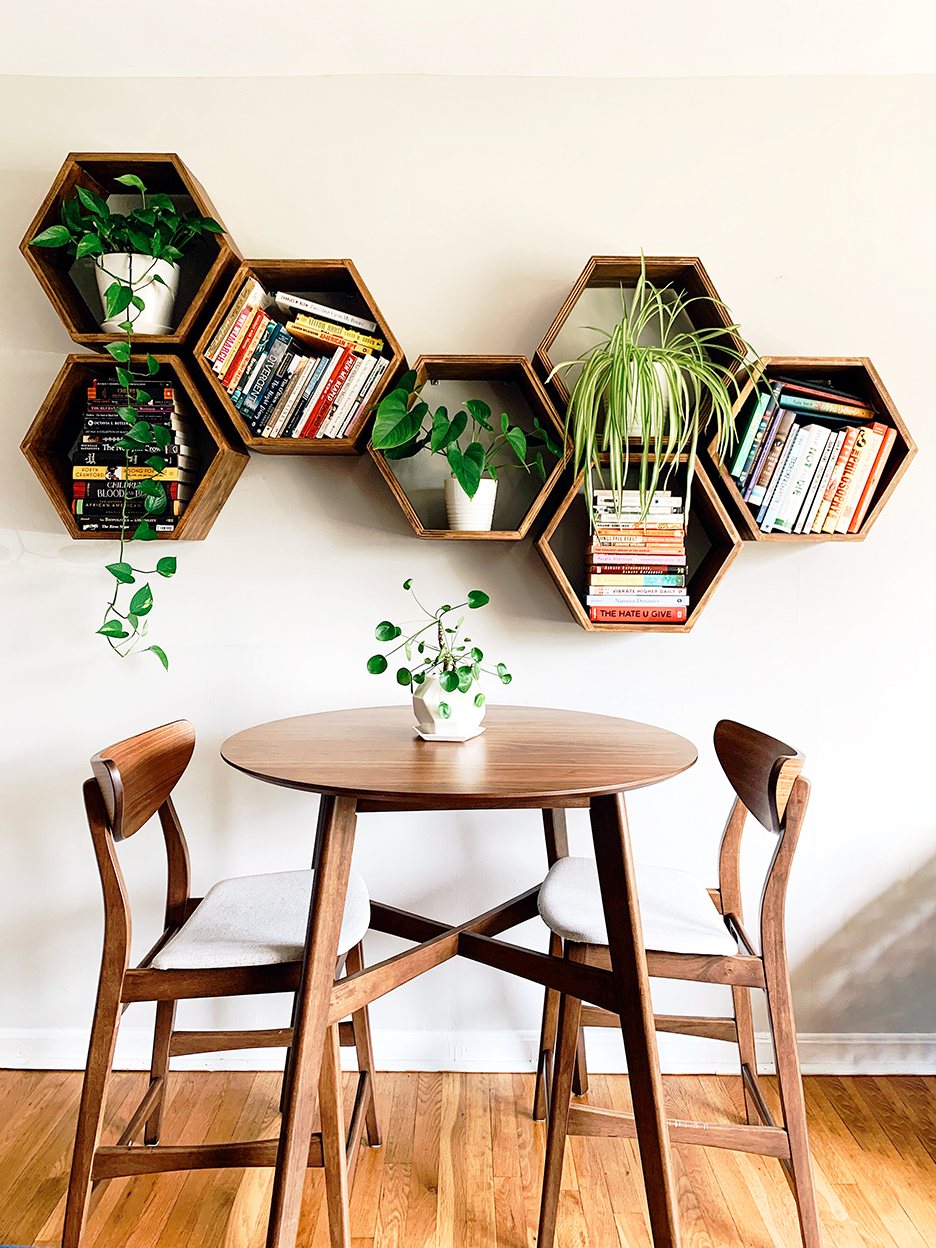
(475, 514)
(464, 717)
(138, 272)
(635, 401)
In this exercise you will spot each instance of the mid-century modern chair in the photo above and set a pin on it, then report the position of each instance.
(694, 933)
(246, 936)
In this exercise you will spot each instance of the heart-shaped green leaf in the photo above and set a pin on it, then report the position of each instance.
(161, 655)
(477, 598)
(152, 365)
(122, 571)
(517, 439)
(161, 435)
(89, 245)
(113, 628)
(54, 236)
(142, 601)
(376, 664)
(385, 631)
(449, 681)
(117, 298)
(144, 532)
(119, 350)
(166, 566)
(404, 676)
(131, 179)
(93, 202)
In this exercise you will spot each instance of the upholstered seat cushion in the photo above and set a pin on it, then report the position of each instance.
(256, 920)
(676, 912)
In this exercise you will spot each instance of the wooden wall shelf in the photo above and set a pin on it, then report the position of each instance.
(712, 546)
(206, 267)
(57, 424)
(304, 277)
(507, 379)
(686, 274)
(855, 375)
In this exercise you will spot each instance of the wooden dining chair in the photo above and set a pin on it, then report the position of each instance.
(246, 936)
(694, 933)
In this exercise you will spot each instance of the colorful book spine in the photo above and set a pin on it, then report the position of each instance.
(329, 395)
(100, 472)
(611, 579)
(825, 407)
(802, 478)
(874, 439)
(761, 444)
(621, 561)
(287, 301)
(844, 485)
(637, 615)
(887, 444)
(747, 439)
(773, 507)
(761, 478)
(301, 411)
(835, 477)
(805, 522)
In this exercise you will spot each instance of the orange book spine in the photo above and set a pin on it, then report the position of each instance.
(839, 482)
(638, 615)
(890, 437)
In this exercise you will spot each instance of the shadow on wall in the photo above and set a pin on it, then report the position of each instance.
(877, 972)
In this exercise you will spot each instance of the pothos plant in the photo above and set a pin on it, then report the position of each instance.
(405, 425)
(436, 647)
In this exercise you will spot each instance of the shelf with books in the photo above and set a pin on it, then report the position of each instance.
(299, 375)
(57, 439)
(71, 284)
(820, 449)
(595, 300)
(695, 564)
(508, 384)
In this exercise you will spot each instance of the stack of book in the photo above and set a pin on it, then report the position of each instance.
(104, 494)
(295, 368)
(638, 559)
(810, 458)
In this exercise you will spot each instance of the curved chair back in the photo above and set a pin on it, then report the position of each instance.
(136, 776)
(760, 768)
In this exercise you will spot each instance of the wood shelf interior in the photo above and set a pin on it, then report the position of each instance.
(851, 375)
(71, 284)
(712, 543)
(58, 424)
(335, 283)
(508, 385)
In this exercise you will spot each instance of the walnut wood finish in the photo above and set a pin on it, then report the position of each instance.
(58, 422)
(493, 368)
(765, 774)
(302, 277)
(706, 514)
(133, 780)
(529, 758)
(856, 375)
(98, 171)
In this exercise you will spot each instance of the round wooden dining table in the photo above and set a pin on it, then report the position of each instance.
(371, 760)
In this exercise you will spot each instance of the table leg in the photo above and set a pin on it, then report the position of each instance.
(629, 965)
(333, 845)
(557, 846)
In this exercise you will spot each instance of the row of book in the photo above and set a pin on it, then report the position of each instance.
(810, 458)
(304, 377)
(638, 567)
(105, 493)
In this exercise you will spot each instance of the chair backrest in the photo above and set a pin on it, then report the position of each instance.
(136, 776)
(760, 768)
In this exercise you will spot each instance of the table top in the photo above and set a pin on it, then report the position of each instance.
(527, 756)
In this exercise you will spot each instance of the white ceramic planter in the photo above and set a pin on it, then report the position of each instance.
(138, 271)
(464, 719)
(474, 514)
(635, 404)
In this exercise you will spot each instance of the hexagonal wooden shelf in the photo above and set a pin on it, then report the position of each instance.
(853, 375)
(309, 278)
(70, 284)
(506, 383)
(58, 422)
(712, 544)
(596, 298)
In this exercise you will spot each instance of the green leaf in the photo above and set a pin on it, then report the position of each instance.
(152, 365)
(93, 202)
(89, 245)
(142, 601)
(479, 699)
(480, 412)
(166, 566)
(408, 584)
(131, 179)
(117, 298)
(501, 669)
(449, 681)
(120, 351)
(122, 571)
(395, 425)
(144, 532)
(477, 598)
(211, 225)
(156, 462)
(477, 654)
(162, 202)
(160, 654)
(465, 677)
(418, 678)
(407, 450)
(126, 445)
(445, 710)
(155, 506)
(140, 432)
(376, 664)
(404, 676)
(54, 236)
(138, 302)
(453, 430)
(113, 628)
(161, 436)
(125, 377)
(465, 468)
(506, 678)
(518, 443)
(549, 437)
(385, 631)
(126, 326)
(149, 486)
(133, 620)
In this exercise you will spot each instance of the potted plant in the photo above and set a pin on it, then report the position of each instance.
(136, 255)
(443, 669)
(404, 426)
(660, 394)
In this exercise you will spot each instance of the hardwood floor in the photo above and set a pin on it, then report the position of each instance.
(461, 1167)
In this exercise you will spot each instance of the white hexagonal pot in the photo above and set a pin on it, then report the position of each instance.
(464, 718)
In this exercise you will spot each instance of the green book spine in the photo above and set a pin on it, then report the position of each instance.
(740, 458)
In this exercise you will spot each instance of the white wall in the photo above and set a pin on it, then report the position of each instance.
(470, 206)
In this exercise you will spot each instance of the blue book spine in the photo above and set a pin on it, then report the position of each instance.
(297, 419)
(279, 341)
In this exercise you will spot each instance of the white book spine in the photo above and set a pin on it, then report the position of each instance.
(634, 600)
(802, 478)
(859, 480)
(302, 368)
(834, 449)
(317, 392)
(796, 444)
(346, 396)
(665, 591)
(377, 372)
(817, 477)
(325, 313)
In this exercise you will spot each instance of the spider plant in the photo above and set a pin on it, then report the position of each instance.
(662, 394)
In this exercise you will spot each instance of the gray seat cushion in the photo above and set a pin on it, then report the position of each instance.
(256, 920)
(676, 912)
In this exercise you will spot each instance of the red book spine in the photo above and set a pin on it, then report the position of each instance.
(329, 394)
(638, 615)
(638, 569)
(890, 437)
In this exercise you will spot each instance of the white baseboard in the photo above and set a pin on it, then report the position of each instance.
(820, 1054)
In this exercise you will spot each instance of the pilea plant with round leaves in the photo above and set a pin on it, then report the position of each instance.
(437, 647)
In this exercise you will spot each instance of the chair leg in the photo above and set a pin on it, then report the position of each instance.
(360, 1025)
(333, 1143)
(792, 1100)
(90, 1115)
(560, 1097)
(744, 1022)
(547, 1044)
(580, 1074)
(159, 1068)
